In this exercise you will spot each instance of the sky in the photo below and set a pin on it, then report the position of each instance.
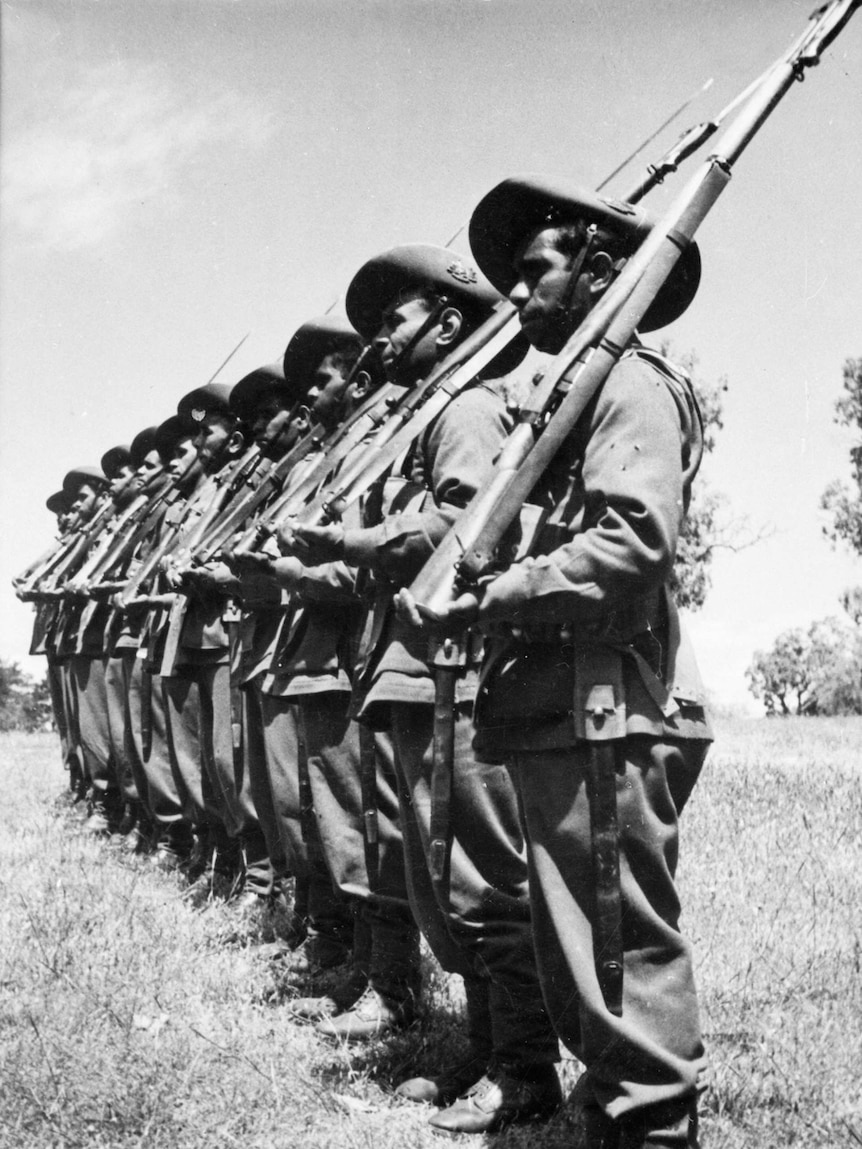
(178, 174)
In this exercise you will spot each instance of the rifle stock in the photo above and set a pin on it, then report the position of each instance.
(582, 366)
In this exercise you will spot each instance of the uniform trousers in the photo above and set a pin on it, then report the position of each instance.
(653, 1053)
(90, 721)
(330, 915)
(267, 789)
(74, 754)
(477, 918)
(116, 677)
(58, 705)
(209, 687)
(151, 764)
(369, 868)
(201, 803)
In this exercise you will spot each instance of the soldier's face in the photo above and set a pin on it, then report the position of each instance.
(404, 361)
(326, 392)
(549, 310)
(213, 441)
(85, 502)
(184, 458)
(121, 481)
(149, 469)
(271, 425)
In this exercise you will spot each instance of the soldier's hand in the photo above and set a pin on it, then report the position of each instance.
(287, 571)
(458, 615)
(250, 562)
(213, 577)
(313, 545)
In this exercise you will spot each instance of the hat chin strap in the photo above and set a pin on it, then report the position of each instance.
(439, 307)
(578, 263)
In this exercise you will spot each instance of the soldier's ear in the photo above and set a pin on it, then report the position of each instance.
(602, 271)
(236, 443)
(451, 321)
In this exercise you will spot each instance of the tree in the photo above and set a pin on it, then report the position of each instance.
(709, 525)
(843, 501)
(811, 671)
(24, 703)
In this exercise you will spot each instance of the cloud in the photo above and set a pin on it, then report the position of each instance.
(111, 141)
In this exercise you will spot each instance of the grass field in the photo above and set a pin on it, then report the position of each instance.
(129, 1019)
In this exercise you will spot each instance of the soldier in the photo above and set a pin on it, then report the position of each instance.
(271, 402)
(172, 773)
(199, 677)
(156, 815)
(417, 303)
(87, 707)
(58, 504)
(588, 648)
(349, 780)
(121, 643)
(314, 374)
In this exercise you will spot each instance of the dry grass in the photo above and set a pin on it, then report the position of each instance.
(125, 1019)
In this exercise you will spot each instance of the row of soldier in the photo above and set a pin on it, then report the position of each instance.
(244, 689)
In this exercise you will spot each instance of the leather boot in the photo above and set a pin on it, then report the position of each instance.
(256, 866)
(454, 1080)
(669, 1126)
(97, 820)
(221, 879)
(372, 1016)
(504, 1096)
(348, 989)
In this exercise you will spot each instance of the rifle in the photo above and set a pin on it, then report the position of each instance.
(33, 571)
(230, 480)
(581, 367)
(365, 419)
(125, 544)
(106, 545)
(571, 381)
(416, 412)
(205, 502)
(47, 581)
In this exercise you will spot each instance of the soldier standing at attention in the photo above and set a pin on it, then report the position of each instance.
(417, 303)
(313, 373)
(588, 648)
(121, 643)
(169, 758)
(200, 677)
(44, 628)
(83, 644)
(349, 772)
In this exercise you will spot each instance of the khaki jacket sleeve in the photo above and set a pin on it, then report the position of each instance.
(622, 510)
(458, 453)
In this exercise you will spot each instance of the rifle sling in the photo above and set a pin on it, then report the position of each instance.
(232, 624)
(368, 783)
(604, 763)
(447, 662)
(146, 713)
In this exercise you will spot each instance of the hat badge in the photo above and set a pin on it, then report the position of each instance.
(618, 205)
(462, 272)
(198, 414)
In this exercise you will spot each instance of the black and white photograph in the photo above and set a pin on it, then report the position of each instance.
(431, 589)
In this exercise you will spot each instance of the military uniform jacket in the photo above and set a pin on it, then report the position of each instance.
(450, 462)
(585, 640)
